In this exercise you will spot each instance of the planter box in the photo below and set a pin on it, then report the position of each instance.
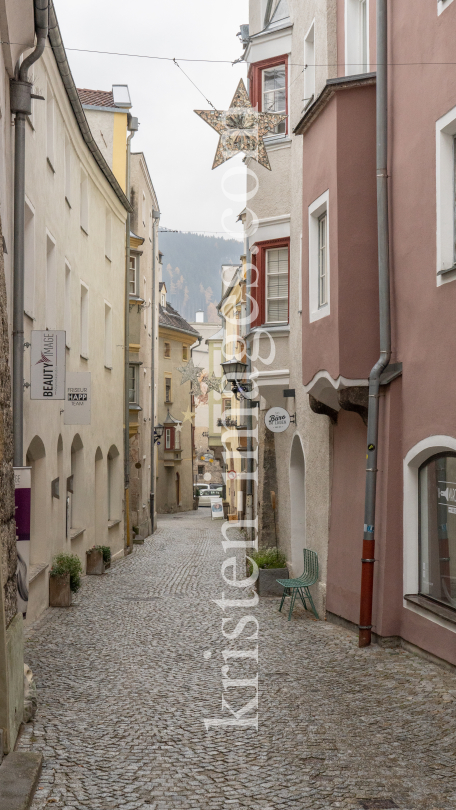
(59, 591)
(233, 518)
(266, 582)
(94, 565)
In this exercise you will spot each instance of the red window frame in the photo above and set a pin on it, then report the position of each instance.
(258, 290)
(256, 82)
(171, 438)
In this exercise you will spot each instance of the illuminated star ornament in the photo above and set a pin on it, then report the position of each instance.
(188, 415)
(213, 383)
(190, 372)
(241, 128)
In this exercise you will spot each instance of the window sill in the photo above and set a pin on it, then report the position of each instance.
(68, 202)
(447, 270)
(136, 299)
(444, 612)
(112, 523)
(74, 533)
(108, 258)
(84, 230)
(28, 315)
(84, 357)
(133, 406)
(29, 121)
(36, 569)
(108, 368)
(277, 140)
(50, 165)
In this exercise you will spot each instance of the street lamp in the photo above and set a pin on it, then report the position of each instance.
(234, 371)
(158, 432)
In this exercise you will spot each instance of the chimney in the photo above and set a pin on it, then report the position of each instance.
(199, 316)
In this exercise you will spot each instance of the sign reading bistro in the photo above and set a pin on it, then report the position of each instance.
(277, 420)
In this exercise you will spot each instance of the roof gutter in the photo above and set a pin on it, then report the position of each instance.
(70, 87)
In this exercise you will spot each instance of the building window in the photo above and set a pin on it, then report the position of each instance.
(29, 259)
(356, 36)
(322, 261)
(184, 352)
(84, 202)
(319, 258)
(114, 473)
(51, 280)
(132, 276)
(67, 305)
(67, 170)
(133, 393)
(269, 89)
(446, 197)
(277, 285)
(167, 352)
(170, 438)
(274, 95)
(437, 529)
(200, 469)
(108, 234)
(108, 335)
(144, 209)
(309, 65)
(84, 321)
(168, 389)
(50, 126)
(442, 5)
(163, 300)
(177, 439)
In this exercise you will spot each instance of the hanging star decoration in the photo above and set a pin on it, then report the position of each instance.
(190, 372)
(188, 415)
(179, 427)
(213, 383)
(241, 128)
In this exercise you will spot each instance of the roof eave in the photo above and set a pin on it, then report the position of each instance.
(331, 87)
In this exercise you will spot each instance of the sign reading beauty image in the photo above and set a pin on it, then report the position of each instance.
(277, 420)
(77, 398)
(47, 365)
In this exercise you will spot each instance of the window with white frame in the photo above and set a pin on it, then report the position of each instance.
(442, 5)
(277, 285)
(309, 65)
(67, 170)
(84, 202)
(319, 258)
(133, 384)
(446, 197)
(50, 126)
(322, 260)
(51, 283)
(84, 322)
(108, 234)
(168, 389)
(67, 305)
(437, 529)
(274, 95)
(356, 36)
(29, 258)
(133, 275)
(144, 209)
(108, 335)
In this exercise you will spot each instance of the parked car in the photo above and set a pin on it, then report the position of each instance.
(209, 494)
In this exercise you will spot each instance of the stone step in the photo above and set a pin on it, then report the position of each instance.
(19, 774)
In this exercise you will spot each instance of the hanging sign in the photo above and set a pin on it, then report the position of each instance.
(47, 365)
(277, 420)
(22, 498)
(77, 398)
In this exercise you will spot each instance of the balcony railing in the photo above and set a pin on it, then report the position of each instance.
(227, 421)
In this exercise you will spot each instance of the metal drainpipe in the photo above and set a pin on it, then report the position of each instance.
(367, 577)
(127, 344)
(21, 105)
(155, 218)
(248, 309)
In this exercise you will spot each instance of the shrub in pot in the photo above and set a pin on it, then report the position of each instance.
(64, 579)
(98, 559)
(272, 565)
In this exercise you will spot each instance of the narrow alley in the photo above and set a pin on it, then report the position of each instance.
(124, 687)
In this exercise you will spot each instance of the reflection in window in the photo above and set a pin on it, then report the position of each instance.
(437, 483)
(274, 95)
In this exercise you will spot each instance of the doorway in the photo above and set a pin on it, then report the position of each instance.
(178, 492)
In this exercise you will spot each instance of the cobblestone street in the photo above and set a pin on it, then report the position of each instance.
(124, 686)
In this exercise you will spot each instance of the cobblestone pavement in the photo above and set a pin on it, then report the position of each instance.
(124, 686)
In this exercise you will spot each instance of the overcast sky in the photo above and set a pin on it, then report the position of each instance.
(178, 145)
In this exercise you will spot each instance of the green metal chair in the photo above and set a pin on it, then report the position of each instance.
(301, 585)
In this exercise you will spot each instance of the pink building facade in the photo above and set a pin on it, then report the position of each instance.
(415, 569)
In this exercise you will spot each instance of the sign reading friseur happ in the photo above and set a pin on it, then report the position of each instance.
(47, 365)
(77, 398)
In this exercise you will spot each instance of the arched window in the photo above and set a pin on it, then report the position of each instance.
(113, 483)
(437, 528)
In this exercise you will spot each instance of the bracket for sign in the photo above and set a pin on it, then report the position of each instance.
(27, 345)
(26, 384)
(293, 418)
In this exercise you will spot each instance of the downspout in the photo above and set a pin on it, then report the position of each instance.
(21, 105)
(155, 218)
(248, 401)
(132, 126)
(368, 558)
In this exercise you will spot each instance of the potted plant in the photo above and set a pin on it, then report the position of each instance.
(64, 579)
(98, 560)
(272, 565)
